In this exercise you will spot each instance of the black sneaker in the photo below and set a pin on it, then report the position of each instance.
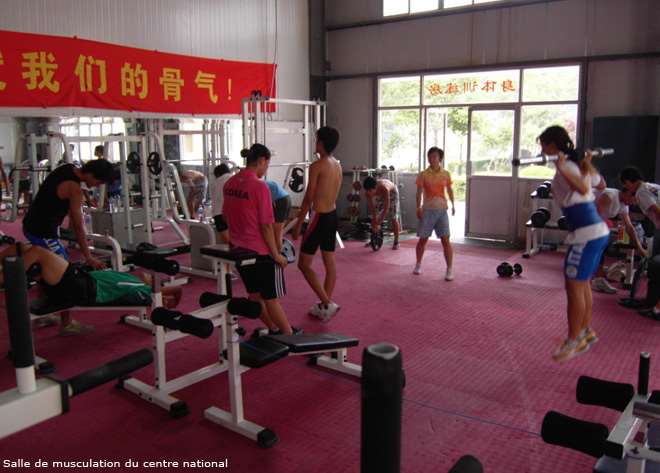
(297, 331)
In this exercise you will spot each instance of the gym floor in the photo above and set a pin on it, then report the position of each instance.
(476, 354)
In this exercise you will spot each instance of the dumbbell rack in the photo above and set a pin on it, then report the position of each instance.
(534, 235)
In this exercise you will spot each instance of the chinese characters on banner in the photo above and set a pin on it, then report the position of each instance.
(52, 71)
(470, 86)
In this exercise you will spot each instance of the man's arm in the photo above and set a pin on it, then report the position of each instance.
(5, 179)
(630, 230)
(386, 204)
(310, 193)
(450, 193)
(371, 208)
(75, 196)
(418, 199)
(655, 210)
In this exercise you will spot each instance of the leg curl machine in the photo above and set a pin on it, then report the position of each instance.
(632, 444)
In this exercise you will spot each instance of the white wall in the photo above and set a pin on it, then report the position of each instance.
(228, 29)
(553, 29)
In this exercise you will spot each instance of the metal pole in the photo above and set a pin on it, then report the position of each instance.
(125, 190)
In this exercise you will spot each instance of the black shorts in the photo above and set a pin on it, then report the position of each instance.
(76, 287)
(281, 209)
(322, 231)
(220, 224)
(265, 277)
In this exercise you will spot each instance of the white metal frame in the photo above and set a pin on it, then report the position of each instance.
(233, 419)
(513, 178)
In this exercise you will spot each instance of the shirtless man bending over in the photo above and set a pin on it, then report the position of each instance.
(325, 177)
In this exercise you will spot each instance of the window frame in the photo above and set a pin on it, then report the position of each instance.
(519, 104)
(440, 7)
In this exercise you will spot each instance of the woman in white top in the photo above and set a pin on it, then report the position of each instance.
(587, 238)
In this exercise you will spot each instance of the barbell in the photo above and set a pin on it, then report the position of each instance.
(297, 180)
(575, 155)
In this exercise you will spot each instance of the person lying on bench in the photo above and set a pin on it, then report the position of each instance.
(67, 285)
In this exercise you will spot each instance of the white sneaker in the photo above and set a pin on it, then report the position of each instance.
(329, 311)
(601, 285)
(449, 275)
(418, 269)
(316, 310)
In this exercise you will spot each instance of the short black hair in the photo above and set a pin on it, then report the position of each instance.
(99, 148)
(221, 170)
(255, 152)
(369, 183)
(435, 149)
(631, 174)
(101, 169)
(329, 137)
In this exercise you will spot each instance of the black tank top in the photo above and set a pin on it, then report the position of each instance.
(47, 211)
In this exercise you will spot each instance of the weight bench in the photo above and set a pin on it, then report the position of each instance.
(234, 356)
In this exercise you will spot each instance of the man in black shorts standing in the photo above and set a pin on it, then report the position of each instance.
(325, 177)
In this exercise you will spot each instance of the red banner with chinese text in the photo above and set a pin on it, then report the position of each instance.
(53, 71)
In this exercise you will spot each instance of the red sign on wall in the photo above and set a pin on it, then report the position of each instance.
(52, 71)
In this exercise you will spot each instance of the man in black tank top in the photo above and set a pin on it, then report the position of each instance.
(61, 195)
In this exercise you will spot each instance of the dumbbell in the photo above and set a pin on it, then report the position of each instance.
(505, 270)
(357, 185)
(543, 191)
(540, 217)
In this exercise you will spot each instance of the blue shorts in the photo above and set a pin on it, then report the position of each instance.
(51, 244)
(582, 259)
(433, 219)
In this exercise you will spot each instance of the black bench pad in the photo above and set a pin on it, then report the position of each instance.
(45, 307)
(261, 351)
(235, 254)
(309, 342)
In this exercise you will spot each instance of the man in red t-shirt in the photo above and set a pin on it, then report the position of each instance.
(248, 210)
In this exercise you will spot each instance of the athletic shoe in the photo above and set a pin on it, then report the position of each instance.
(316, 310)
(297, 330)
(570, 349)
(601, 285)
(650, 313)
(47, 321)
(395, 246)
(449, 275)
(418, 269)
(589, 335)
(75, 328)
(329, 311)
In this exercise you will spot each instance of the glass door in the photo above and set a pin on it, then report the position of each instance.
(492, 144)
(446, 128)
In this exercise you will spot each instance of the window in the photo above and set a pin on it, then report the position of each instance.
(417, 112)
(92, 126)
(191, 147)
(408, 7)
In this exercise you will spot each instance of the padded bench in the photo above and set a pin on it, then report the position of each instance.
(261, 351)
(234, 255)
